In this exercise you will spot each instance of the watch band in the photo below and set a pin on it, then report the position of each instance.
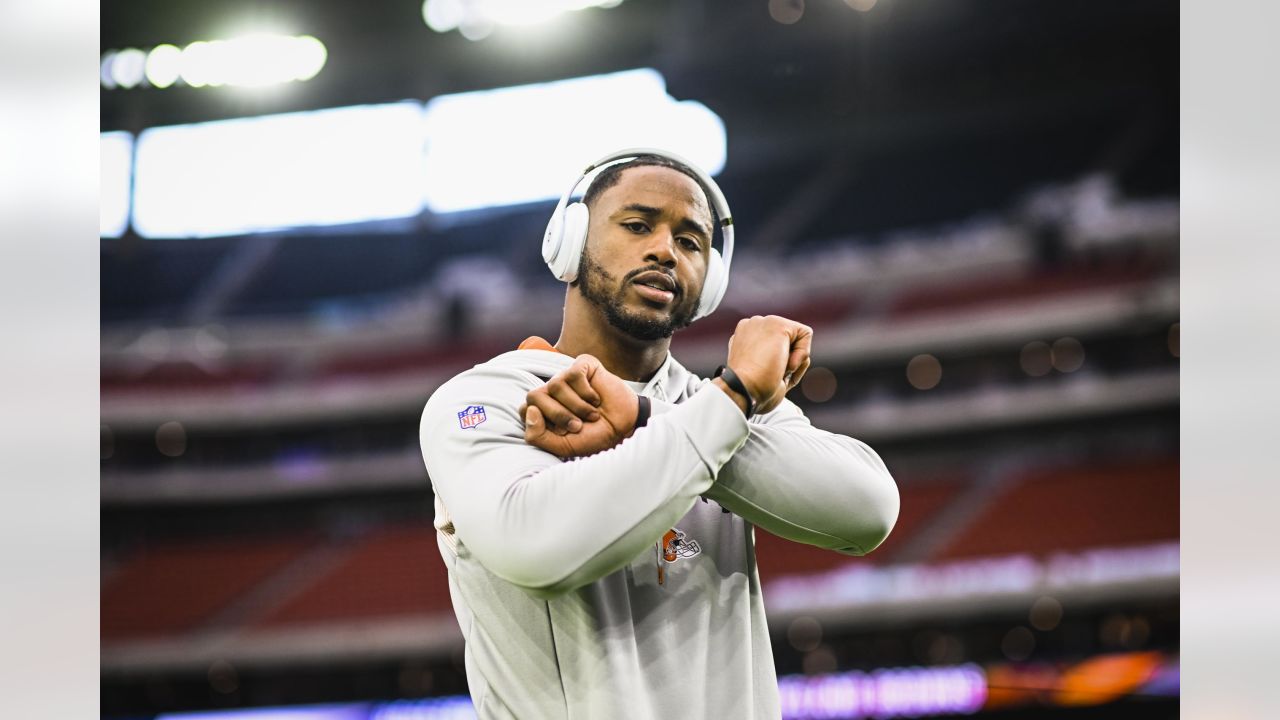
(724, 372)
(646, 409)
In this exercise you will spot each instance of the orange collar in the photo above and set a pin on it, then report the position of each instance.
(533, 342)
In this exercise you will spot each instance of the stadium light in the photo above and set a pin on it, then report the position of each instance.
(384, 162)
(128, 69)
(327, 167)
(475, 19)
(114, 175)
(255, 60)
(524, 131)
(164, 65)
(104, 69)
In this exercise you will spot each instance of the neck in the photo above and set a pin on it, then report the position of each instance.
(585, 330)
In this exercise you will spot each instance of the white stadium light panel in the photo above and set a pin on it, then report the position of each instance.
(518, 145)
(326, 167)
(381, 162)
(477, 18)
(114, 175)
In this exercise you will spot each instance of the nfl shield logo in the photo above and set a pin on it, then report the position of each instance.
(471, 417)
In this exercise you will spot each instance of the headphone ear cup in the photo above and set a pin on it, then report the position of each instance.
(563, 241)
(714, 287)
(573, 238)
(552, 240)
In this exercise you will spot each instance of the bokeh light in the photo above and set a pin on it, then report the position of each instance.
(1018, 644)
(164, 65)
(804, 633)
(1121, 631)
(1036, 358)
(819, 660)
(105, 68)
(129, 67)
(818, 385)
(944, 648)
(924, 372)
(253, 60)
(1046, 613)
(196, 64)
(1068, 354)
(443, 15)
(171, 439)
(861, 5)
(787, 12)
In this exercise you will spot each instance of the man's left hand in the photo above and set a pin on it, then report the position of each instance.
(580, 412)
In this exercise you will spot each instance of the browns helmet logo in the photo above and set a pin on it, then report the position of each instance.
(675, 544)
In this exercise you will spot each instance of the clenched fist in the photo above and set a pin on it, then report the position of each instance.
(581, 411)
(770, 354)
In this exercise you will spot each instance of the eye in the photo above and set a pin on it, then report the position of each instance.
(635, 226)
(691, 243)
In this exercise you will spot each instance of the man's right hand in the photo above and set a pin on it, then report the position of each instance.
(581, 411)
(770, 354)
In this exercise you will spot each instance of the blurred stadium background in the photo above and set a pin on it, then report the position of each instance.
(313, 213)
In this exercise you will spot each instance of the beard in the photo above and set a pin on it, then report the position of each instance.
(603, 290)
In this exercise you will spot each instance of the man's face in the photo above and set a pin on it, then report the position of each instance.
(646, 254)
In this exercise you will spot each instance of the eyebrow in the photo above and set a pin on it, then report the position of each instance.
(686, 222)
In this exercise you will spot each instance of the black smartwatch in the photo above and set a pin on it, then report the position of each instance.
(643, 412)
(735, 384)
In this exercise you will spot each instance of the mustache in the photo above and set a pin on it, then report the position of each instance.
(655, 268)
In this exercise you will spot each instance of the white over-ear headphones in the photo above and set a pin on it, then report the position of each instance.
(567, 231)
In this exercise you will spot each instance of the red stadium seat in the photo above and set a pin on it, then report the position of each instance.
(175, 589)
(1075, 508)
(972, 294)
(395, 571)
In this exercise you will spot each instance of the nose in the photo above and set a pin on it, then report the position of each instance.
(661, 250)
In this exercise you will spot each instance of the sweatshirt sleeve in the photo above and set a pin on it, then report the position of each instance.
(808, 485)
(551, 526)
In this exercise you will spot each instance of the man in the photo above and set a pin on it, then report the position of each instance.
(596, 502)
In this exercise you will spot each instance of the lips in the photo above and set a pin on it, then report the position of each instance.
(659, 281)
(656, 286)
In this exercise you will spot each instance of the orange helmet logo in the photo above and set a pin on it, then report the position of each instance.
(675, 545)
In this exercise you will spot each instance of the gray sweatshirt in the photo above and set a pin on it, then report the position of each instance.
(624, 584)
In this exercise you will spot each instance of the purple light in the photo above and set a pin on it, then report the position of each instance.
(899, 692)
(862, 586)
(454, 707)
(1167, 680)
(346, 711)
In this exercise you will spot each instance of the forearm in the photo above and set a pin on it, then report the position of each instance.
(556, 526)
(808, 485)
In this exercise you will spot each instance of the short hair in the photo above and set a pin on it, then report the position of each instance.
(610, 176)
